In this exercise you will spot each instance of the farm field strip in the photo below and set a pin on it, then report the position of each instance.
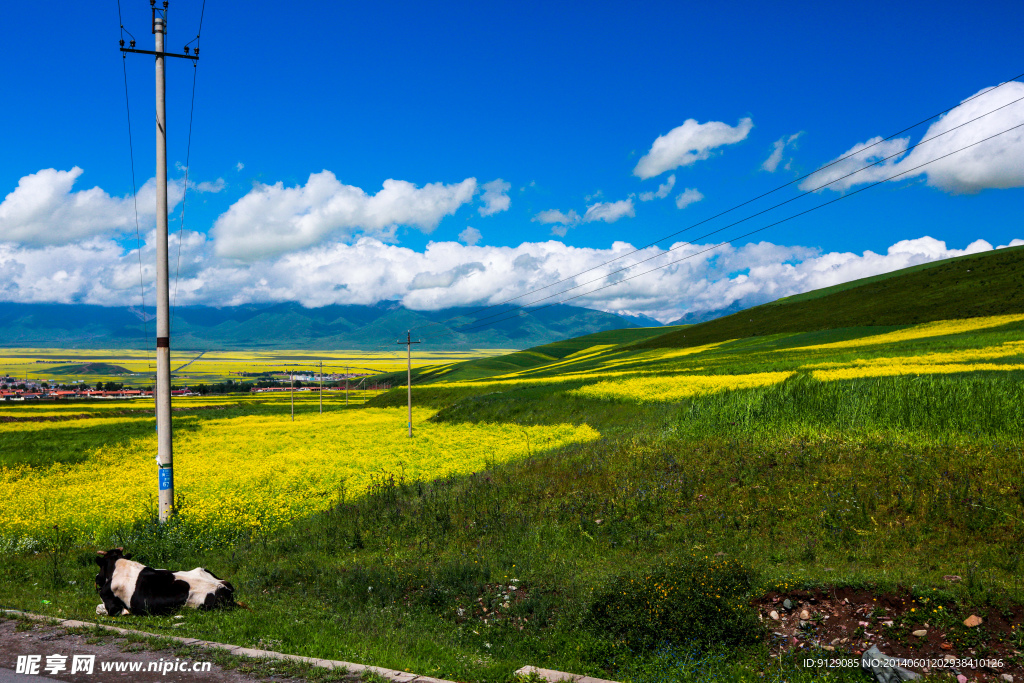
(212, 366)
(941, 347)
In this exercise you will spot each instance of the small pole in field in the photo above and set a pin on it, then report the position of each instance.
(321, 387)
(346, 386)
(292, 377)
(408, 348)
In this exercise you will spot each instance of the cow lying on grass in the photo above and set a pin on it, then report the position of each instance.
(128, 587)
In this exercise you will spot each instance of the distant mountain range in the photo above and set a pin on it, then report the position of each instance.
(290, 326)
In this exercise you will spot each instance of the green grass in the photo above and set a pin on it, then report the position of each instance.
(887, 483)
(88, 369)
(967, 287)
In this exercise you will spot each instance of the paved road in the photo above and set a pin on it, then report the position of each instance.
(49, 640)
(8, 676)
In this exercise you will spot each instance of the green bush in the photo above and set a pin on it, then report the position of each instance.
(700, 602)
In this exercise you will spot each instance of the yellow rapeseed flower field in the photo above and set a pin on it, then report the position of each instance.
(259, 471)
(673, 388)
(939, 328)
(907, 368)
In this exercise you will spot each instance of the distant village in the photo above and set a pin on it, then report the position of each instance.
(24, 389)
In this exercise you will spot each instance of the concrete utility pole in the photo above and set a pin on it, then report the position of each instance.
(346, 386)
(408, 347)
(321, 387)
(164, 455)
(292, 378)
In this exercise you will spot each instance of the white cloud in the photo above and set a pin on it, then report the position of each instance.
(273, 219)
(239, 166)
(495, 197)
(470, 236)
(207, 186)
(689, 143)
(556, 216)
(996, 163)
(609, 212)
(447, 274)
(688, 196)
(663, 190)
(43, 209)
(772, 162)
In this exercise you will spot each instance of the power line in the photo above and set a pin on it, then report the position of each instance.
(188, 156)
(135, 199)
(765, 194)
(799, 196)
(718, 246)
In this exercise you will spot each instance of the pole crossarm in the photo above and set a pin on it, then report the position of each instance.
(160, 54)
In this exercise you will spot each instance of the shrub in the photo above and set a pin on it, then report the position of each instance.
(697, 602)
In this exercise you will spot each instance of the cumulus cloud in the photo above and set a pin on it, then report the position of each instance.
(100, 271)
(609, 212)
(663, 190)
(555, 216)
(274, 219)
(44, 209)
(689, 143)
(997, 163)
(495, 197)
(772, 162)
(207, 186)
(688, 196)
(239, 166)
(470, 236)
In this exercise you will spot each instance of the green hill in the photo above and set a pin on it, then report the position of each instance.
(88, 369)
(527, 359)
(971, 286)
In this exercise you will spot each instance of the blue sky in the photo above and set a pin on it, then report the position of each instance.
(556, 102)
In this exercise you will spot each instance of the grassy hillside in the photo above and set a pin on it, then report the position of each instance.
(966, 287)
(527, 359)
(88, 369)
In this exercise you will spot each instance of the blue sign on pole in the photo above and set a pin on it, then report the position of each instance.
(166, 478)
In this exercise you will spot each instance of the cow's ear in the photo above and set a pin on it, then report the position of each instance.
(101, 553)
(119, 549)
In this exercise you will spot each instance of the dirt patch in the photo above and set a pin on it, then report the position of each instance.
(846, 622)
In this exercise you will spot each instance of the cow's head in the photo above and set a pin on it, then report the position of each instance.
(107, 559)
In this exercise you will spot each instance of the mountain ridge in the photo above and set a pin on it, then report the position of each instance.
(290, 325)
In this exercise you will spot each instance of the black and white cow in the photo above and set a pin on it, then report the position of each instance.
(128, 587)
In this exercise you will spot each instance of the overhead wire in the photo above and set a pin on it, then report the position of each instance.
(135, 198)
(188, 157)
(743, 220)
(742, 204)
(752, 232)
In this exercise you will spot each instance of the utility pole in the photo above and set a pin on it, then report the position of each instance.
(321, 387)
(164, 454)
(346, 386)
(291, 377)
(408, 347)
